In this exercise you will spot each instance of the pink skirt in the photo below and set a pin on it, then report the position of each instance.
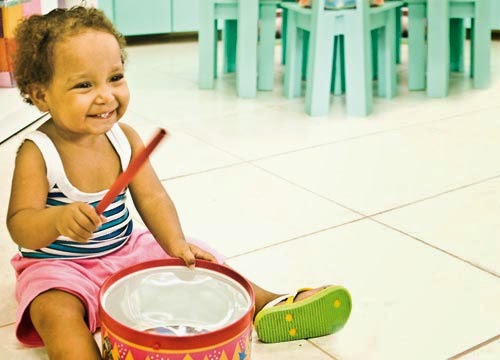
(80, 277)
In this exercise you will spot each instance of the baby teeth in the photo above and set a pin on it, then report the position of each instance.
(105, 115)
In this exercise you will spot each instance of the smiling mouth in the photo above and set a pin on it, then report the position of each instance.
(106, 115)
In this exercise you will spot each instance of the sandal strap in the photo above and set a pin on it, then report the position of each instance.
(288, 298)
(276, 301)
(291, 299)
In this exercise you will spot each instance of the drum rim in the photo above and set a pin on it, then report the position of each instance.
(173, 342)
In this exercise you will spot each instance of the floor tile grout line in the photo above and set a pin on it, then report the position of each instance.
(490, 272)
(329, 199)
(476, 347)
(383, 211)
(243, 160)
(295, 238)
(449, 191)
(321, 349)
(7, 325)
(22, 129)
(216, 168)
(306, 189)
(337, 141)
(369, 134)
(371, 217)
(436, 195)
(238, 160)
(251, 162)
(470, 263)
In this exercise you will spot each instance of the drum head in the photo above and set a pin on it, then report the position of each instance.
(176, 300)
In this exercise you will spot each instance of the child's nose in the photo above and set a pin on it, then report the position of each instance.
(105, 95)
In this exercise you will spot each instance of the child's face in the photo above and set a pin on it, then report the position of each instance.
(88, 92)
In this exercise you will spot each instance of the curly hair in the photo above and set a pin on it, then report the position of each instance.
(37, 35)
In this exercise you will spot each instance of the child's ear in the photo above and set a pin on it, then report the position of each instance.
(37, 94)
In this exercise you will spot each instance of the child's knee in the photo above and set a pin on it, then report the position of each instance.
(55, 307)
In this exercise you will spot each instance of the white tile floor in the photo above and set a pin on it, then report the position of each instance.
(401, 207)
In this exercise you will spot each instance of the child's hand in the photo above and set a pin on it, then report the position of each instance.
(189, 253)
(78, 221)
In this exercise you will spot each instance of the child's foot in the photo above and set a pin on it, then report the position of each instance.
(300, 295)
(309, 313)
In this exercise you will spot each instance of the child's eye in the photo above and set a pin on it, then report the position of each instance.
(83, 85)
(117, 77)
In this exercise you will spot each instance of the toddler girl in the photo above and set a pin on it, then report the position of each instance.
(70, 63)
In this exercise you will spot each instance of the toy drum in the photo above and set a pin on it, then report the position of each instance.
(163, 310)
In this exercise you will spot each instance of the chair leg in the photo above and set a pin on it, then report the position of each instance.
(319, 70)
(265, 78)
(246, 56)
(359, 95)
(293, 63)
(305, 50)
(399, 33)
(481, 47)
(207, 43)
(230, 36)
(374, 44)
(457, 39)
(416, 46)
(387, 77)
(438, 67)
(338, 75)
(284, 19)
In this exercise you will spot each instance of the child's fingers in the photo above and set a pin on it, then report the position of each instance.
(91, 214)
(90, 220)
(188, 257)
(189, 253)
(79, 222)
(79, 235)
(202, 254)
(83, 228)
(103, 219)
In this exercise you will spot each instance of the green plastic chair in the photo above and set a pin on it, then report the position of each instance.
(445, 43)
(247, 50)
(355, 25)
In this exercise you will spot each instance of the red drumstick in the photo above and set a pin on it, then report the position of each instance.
(126, 177)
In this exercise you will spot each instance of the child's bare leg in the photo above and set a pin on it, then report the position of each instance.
(262, 297)
(59, 318)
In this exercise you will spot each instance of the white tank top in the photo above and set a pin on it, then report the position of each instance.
(111, 235)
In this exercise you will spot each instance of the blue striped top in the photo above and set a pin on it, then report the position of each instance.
(111, 235)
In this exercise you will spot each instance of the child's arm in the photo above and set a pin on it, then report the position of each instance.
(157, 209)
(30, 223)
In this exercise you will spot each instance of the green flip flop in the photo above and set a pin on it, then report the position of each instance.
(322, 313)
